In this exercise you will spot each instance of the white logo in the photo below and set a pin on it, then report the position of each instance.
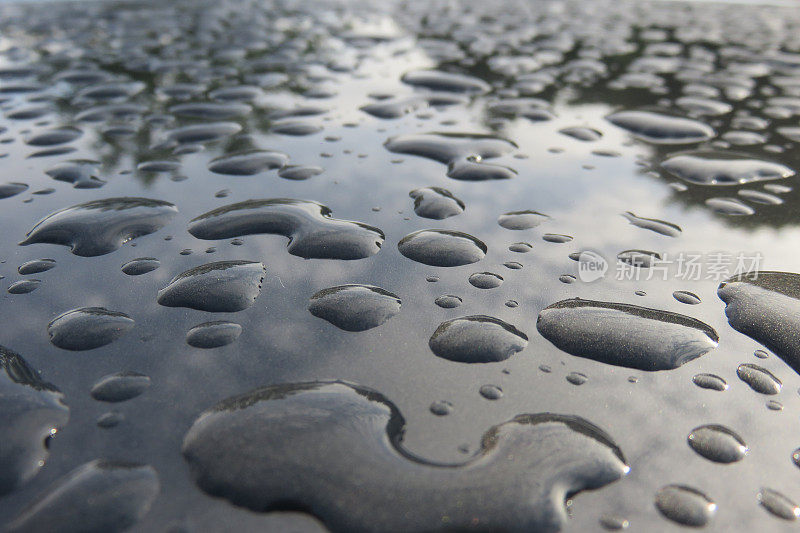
(591, 266)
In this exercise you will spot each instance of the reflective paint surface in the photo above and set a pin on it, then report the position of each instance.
(538, 257)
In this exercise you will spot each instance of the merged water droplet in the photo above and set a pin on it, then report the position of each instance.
(81, 173)
(441, 408)
(477, 339)
(463, 153)
(97, 496)
(31, 411)
(717, 443)
(312, 232)
(120, 387)
(213, 334)
(658, 128)
(442, 248)
(436, 203)
(723, 168)
(625, 335)
(87, 328)
(285, 443)
(221, 287)
(101, 226)
(685, 505)
(354, 307)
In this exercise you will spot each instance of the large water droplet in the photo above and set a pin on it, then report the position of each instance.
(222, 287)
(766, 307)
(717, 443)
(101, 226)
(625, 335)
(442, 248)
(87, 328)
(658, 128)
(723, 168)
(354, 307)
(759, 378)
(477, 339)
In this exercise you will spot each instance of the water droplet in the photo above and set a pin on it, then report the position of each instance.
(520, 220)
(436, 203)
(299, 172)
(201, 133)
(36, 266)
(491, 392)
(87, 328)
(512, 304)
(614, 522)
(304, 429)
(312, 232)
(436, 80)
(717, 443)
(778, 504)
(12, 188)
(81, 173)
(441, 408)
(110, 419)
(97, 496)
(686, 297)
(658, 128)
(774, 405)
(354, 307)
(710, 382)
(659, 226)
(442, 248)
(24, 286)
(759, 378)
(448, 301)
(54, 137)
(625, 335)
(120, 387)
(520, 247)
(581, 133)
(248, 163)
(213, 334)
(729, 206)
(685, 505)
(31, 411)
(140, 265)
(723, 168)
(639, 258)
(485, 280)
(477, 339)
(221, 287)
(576, 378)
(101, 226)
